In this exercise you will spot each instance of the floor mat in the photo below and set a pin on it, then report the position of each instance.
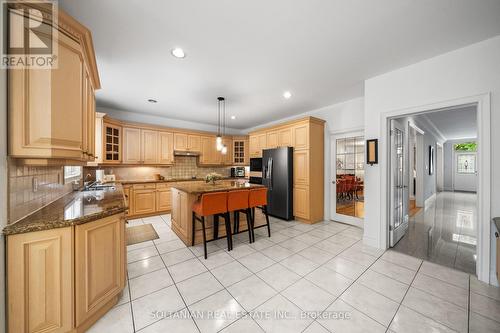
(141, 233)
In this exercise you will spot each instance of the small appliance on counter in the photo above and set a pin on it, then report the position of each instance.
(255, 171)
(237, 172)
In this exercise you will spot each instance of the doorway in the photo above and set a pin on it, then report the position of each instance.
(446, 230)
(347, 185)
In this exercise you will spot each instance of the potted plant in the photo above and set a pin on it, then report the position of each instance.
(212, 177)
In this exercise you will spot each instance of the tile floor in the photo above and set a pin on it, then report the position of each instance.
(445, 232)
(305, 278)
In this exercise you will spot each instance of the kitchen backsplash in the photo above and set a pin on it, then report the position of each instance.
(22, 199)
(184, 167)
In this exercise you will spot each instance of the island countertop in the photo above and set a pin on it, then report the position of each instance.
(74, 208)
(220, 186)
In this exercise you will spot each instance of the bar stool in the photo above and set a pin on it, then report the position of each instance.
(237, 202)
(258, 198)
(211, 204)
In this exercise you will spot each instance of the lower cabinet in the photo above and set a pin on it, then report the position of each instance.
(301, 202)
(180, 208)
(147, 199)
(40, 281)
(163, 199)
(144, 201)
(65, 279)
(99, 265)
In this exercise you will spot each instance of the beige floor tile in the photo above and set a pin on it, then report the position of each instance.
(308, 296)
(407, 320)
(352, 320)
(256, 261)
(186, 269)
(179, 322)
(393, 271)
(345, 267)
(371, 303)
(402, 260)
(118, 319)
(331, 281)
(441, 289)
(485, 306)
(144, 266)
(484, 289)
(445, 274)
(231, 273)
(480, 324)
(198, 287)
(437, 309)
(148, 283)
(225, 308)
(278, 276)
(384, 285)
(251, 292)
(299, 264)
(294, 323)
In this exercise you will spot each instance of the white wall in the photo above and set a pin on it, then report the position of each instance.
(342, 117)
(162, 121)
(448, 161)
(470, 71)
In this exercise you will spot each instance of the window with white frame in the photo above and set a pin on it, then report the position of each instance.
(72, 173)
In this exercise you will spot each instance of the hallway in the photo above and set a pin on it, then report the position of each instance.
(444, 232)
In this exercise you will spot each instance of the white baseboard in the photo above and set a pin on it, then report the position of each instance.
(429, 200)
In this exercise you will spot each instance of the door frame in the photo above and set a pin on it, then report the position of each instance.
(352, 220)
(483, 104)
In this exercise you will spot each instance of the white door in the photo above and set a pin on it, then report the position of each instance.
(465, 171)
(347, 181)
(398, 183)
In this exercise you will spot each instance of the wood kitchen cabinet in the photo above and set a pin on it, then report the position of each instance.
(187, 142)
(241, 154)
(285, 137)
(100, 265)
(149, 147)
(165, 148)
(64, 279)
(208, 153)
(144, 198)
(51, 112)
(163, 197)
(306, 136)
(40, 281)
(271, 139)
(132, 145)
(112, 143)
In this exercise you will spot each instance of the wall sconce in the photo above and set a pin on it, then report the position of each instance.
(372, 151)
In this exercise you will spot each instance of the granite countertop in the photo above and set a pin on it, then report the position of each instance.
(169, 180)
(74, 208)
(219, 186)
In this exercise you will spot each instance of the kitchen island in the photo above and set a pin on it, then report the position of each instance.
(183, 197)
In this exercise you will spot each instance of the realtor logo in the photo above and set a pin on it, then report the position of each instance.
(31, 36)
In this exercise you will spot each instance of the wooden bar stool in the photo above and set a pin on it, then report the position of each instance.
(237, 202)
(258, 198)
(211, 204)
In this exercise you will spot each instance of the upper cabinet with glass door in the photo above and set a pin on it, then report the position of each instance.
(51, 111)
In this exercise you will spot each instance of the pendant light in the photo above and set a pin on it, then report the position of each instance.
(218, 140)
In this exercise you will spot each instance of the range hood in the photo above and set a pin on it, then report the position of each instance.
(185, 153)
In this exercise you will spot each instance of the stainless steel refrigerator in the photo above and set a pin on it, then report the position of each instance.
(277, 176)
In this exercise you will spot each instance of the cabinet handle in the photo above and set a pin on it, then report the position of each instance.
(496, 234)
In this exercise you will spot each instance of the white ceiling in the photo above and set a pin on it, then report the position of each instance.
(451, 124)
(252, 51)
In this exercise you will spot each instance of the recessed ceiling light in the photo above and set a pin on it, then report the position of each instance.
(287, 94)
(178, 52)
(152, 100)
(233, 117)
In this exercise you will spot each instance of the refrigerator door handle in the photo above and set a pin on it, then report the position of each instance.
(271, 173)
